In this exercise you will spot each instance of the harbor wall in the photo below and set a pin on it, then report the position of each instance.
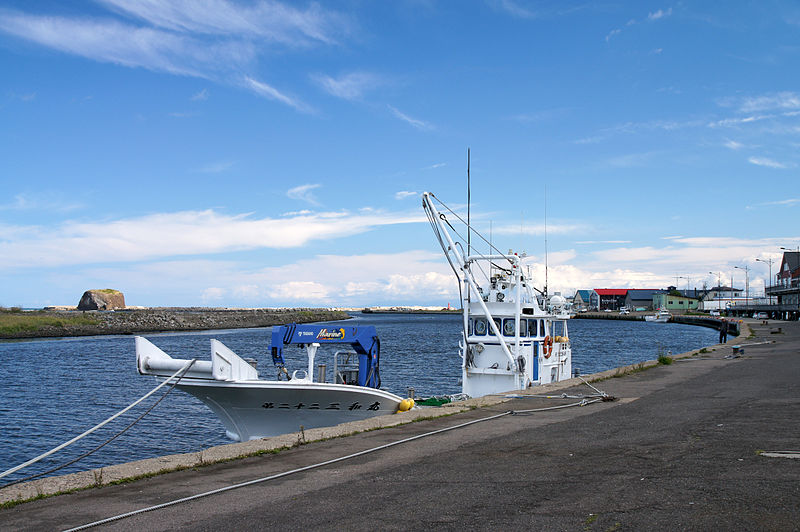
(734, 324)
(164, 464)
(55, 323)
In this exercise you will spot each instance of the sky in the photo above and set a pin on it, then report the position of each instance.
(265, 154)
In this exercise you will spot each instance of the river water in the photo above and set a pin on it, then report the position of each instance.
(55, 389)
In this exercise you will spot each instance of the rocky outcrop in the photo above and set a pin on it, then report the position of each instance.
(106, 299)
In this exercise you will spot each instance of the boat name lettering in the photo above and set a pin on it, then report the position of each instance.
(315, 406)
(305, 333)
(330, 334)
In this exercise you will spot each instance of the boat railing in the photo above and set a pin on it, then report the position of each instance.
(345, 367)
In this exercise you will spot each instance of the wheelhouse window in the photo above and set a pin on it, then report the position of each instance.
(480, 326)
(499, 323)
(532, 326)
(508, 327)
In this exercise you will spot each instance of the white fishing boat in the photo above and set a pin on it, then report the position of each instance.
(252, 408)
(662, 315)
(509, 342)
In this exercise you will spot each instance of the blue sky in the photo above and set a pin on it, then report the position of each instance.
(263, 153)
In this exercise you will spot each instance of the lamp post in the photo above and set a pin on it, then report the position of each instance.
(746, 286)
(719, 289)
(768, 261)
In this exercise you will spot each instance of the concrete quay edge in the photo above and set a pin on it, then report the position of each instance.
(132, 471)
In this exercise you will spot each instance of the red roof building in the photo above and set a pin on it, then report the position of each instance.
(611, 298)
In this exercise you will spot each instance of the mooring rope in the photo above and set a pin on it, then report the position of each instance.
(181, 371)
(321, 464)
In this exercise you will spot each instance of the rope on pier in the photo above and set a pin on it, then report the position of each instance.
(178, 374)
(321, 464)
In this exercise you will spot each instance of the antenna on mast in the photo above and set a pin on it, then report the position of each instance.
(469, 225)
(545, 242)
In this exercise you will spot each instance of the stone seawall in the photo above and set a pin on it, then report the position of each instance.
(166, 319)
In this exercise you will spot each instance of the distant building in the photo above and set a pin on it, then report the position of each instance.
(641, 298)
(787, 281)
(722, 292)
(611, 298)
(695, 293)
(672, 300)
(582, 299)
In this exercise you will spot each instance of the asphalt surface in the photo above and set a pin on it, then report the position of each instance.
(680, 449)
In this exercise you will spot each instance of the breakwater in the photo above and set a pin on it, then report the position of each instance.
(46, 324)
(702, 321)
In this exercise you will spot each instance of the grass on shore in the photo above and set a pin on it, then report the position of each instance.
(13, 321)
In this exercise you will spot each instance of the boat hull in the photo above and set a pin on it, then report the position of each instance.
(261, 409)
(659, 319)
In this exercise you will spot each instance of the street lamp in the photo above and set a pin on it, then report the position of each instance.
(719, 290)
(768, 261)
(746, 285)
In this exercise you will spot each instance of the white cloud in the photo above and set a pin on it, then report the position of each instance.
(403, 194)
(604, 242)
(216, 40)
(267, 91)
(181, 114)
(349, 86)
(656, 15)
(41, 202)
(613, 33)
(419, 124)
(303, 192)
(110, 41)
(516, 10)
(216, 168)
(630, 160)
(777, 101)
(733, 145)
(788, 202)
(536, 229)
(269, 20)
(324, 280)
(300, 291)
(727, 122)
(763, 161)
(212, 294)
(659, 14)
(200, 96)
(177, 234)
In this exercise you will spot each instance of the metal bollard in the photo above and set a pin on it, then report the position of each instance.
(322, 370)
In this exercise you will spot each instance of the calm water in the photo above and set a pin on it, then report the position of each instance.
(55, 389)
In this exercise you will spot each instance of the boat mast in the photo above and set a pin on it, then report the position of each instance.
(545, 246)
(469, 193)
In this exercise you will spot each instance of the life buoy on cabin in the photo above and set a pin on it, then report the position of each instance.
(547, 346)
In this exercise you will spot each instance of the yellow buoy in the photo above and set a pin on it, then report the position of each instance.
(405, 405)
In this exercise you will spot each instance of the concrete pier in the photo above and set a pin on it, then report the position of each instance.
(702, 443)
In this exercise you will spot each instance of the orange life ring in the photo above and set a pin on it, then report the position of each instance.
(547, 346)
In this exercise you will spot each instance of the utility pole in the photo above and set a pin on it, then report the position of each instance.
(768, 261)
(746, 286)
